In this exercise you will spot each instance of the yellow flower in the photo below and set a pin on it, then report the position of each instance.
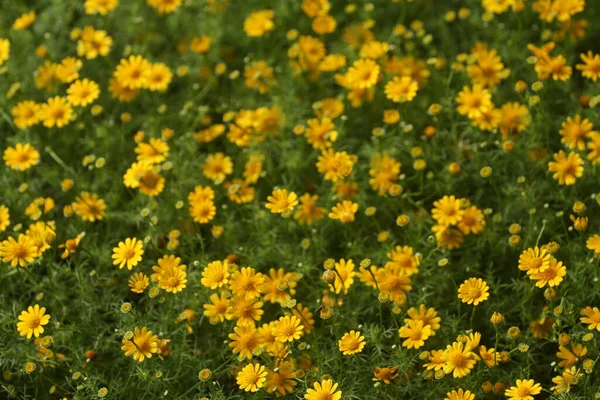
(514, 118)
(554, 67)
(566, 168)
(68, 69)
(89, 207)
(159, 77)
(473, 291)
(332, 62)
(216, 310)
(21, 157)
(335, 165)
(282, 380)
(373, 49)
(217, 166)
(415, 333)
(488, 69)
(344, 211)
(436, 361)
(401, 89)
(324, 390)
(153, 152)
(592, 318)
(164, 6)
(128, 253)
(386, 375)
(391, 116)
(93, 43)
(259, 22)
(308, 211)
(458, 360)
(259, 75)
(18, 252)
(172, 279)
(252, 377)
(447, 211)
(4, 217)
(247, 283)
(245, 310)
(314, 8)
(351, 343)
(24, 21)
(474, 101)
(534, 260)
(133, 72)
(244, 341)
(570, 376)
(203, 212)
(4, 50)
(138, 282)
(215, 275)
(320, 133)
(82, 92)
(403, 260)
(287, 329)
(279, 285)
(568, 358)
(120, 92)
(363, 74)
(552, 276)
(324, 24)
(169, 274)
(26, 114)
(574, 132)
(525, 390)
(427, 315)
(142, 345)
(282, 202)
(590, 68)
(200, 44)
(101, 7)
(473, 221)
(344, 276)
(56, 112)
(32, 321)
(460, 395)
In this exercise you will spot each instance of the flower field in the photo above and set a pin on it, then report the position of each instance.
(304, 199)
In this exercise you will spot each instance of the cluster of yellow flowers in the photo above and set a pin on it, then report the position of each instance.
(309, 113)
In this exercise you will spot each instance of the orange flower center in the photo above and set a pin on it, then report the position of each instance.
(289, 330)
(129, 253)
(34, 323)
(459, 360)
(474, 293)
(20, 251)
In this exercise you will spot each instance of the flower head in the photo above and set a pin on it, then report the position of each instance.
(142, 345)
(128, 253)
(32, 321)
(252, 377)
(351, 343)
(473, 291)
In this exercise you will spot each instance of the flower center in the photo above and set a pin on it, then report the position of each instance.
(34, 323)
(289, 330)
(474, 293)
(129, 253)
(20, 251)
(459, 360)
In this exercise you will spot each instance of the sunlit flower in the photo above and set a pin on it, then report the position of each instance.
(32, 321)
